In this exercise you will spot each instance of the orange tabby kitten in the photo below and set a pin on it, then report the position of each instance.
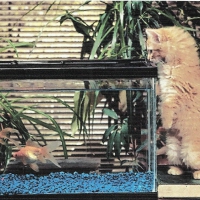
(174, 52)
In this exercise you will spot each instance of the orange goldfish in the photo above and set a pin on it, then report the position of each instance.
(4, 134)
(32, 153)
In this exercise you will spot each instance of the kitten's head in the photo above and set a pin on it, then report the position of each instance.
(171, 45)
(155, 41)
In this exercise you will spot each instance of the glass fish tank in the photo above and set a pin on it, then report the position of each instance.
(78, 129)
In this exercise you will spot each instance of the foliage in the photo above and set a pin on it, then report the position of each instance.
(13, 115)
(119, 34)
(84, 106)
(12, 45)
(121, 134)
(116, 135)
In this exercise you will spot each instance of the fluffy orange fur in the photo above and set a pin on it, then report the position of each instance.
(173, 50)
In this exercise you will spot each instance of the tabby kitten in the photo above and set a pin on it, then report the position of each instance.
(174, 52)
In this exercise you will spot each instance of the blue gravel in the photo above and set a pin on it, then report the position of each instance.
(65, 183)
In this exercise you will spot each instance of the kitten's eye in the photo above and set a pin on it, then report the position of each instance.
(150, 50)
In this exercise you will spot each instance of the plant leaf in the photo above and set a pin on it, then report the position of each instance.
(125, 136)
(124, 161)
(75, 123)
(142, 146)
(108, 132)
(117, 144)
(110, 144)
(49, 8)
(110, 113)
(141, 38)
(138, 95)
(85, 3)
(102, 33)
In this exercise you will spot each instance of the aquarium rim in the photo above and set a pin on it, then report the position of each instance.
(77, 69)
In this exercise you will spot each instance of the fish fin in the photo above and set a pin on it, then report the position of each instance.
(24, 162)
(46, 152)
(41, 159)
(50, 157)
(34, 166)
(53, 145)
(31, 143)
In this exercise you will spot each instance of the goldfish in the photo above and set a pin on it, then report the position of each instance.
(32, 153)
(4, 134)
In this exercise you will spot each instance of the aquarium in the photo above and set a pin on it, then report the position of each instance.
(77, 127)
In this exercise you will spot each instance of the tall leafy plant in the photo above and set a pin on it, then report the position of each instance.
(119, 34)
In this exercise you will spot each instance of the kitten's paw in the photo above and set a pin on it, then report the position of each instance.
(167, 125)
(175, 170)
(162, 151)
(196, 175)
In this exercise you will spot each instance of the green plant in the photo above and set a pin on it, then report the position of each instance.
(84, 106)
(13, 115)
(14, 45)
(124, 133)
(119, 34)
(116, 135)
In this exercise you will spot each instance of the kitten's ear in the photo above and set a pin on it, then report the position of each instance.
(154, 35)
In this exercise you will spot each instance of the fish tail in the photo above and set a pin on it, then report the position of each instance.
(53, 145)
(46, 152)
